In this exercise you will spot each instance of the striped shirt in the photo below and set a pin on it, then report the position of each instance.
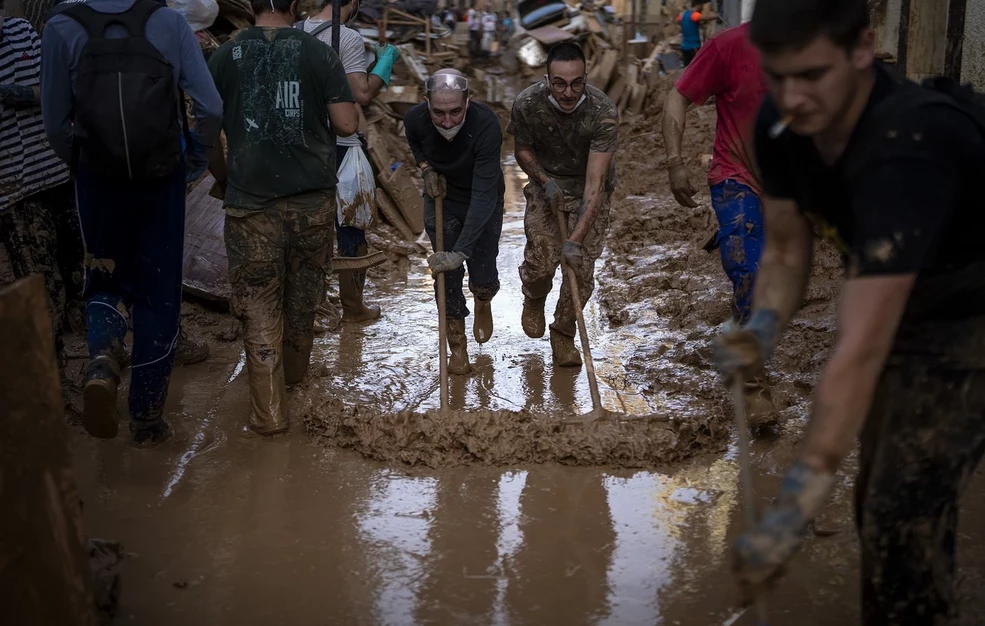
(27, 163)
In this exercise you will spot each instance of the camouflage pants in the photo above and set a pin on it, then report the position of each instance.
(542, 254)
(41, 235)
(922, 441)
(277, 268)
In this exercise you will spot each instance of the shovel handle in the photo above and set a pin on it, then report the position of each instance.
(439, 246)
(593, 383)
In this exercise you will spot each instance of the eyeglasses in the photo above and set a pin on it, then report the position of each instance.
(451, 82)
(559, 86)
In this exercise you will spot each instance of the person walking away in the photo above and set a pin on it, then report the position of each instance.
(474, 18)
(364, 87)
(691, 21)
(130, 185)
(489, 23)
(280, 193)
(728, 69)
(456, 143)
(566, 135)
(890, 172)
(39, 225)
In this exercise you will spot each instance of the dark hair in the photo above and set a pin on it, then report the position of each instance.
(565, 51)
(264, 6)
(793, 24)
(697, 3)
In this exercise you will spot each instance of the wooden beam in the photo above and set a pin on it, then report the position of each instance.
(902, 37)
(956, 10)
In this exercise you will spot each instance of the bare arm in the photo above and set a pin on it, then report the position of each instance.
(344, 118)
(527, 160)
(868, 317)
(785, 264)
(709, 16)
(364, 86)
(675, 120)
(596, 175)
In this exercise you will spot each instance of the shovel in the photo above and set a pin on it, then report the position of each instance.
(439, 246)
(593, 383)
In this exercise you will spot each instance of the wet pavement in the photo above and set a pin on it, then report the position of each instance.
(223, 527)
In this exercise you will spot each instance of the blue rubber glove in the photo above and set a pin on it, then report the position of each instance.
(196, 160)
(386, 56)
(761, 554)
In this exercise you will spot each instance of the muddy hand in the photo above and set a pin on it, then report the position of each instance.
(761, 554)
(445, 262)
(434, 184)
(744, 352)
(554, 195)
(679, 183)
(573, 254)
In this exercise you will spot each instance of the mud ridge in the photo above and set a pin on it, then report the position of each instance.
(500, 438)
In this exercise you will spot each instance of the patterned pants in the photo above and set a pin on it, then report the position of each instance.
(277, 267)
(41, 236)
(542, 254)
(922, 441)
(740, 240)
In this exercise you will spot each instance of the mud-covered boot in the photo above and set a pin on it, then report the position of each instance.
(482, 325)
(532, 319)
(354, 310)
(151, 432)
(563, 350)
(458, 360)
(189, 351)
(760, 410)
(99, 415)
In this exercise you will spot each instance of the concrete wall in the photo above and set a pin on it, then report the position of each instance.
(973, 56)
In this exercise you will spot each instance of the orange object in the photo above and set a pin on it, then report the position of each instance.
(695, 16)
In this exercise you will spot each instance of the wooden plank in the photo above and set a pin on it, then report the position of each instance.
(954, 49)
(601, 74)
(44, 568)
(379, 154)
(402, 190)
(615, 92)
(637, 97)
(205, 265)
(392, 215)
(550, 35)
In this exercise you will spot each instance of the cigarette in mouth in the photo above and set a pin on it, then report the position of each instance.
(777, 129)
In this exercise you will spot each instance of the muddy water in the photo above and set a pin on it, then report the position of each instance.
(226, 528)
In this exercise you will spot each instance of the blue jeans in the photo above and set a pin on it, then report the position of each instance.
(351, 240)
(134, 235)
(740, 240)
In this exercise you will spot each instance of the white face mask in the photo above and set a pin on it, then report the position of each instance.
(557, 105)
(450, 133)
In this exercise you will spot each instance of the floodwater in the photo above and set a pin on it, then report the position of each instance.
(223, 527)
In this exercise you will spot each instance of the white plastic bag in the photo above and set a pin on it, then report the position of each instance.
(356, 192)
(200, 14)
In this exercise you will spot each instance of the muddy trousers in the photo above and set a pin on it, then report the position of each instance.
(277, 262)
(41, 236)
(483, 273)
(542, 254)
(923, 439)
(739, 240)
(134, 236)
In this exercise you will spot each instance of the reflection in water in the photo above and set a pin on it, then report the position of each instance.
(510, 538)
(396, 523)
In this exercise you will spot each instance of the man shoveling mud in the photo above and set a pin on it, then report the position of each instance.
(728, 69)
(565, 132)
(280, 200)
(889, 171)
(456, 143)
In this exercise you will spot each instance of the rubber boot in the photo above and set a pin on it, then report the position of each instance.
(189, 351)
(99, 415)
(563, 350)
(150, 433)
(458, 360)
(760, 410)
(482, 325)
(352, 284)
(532, 319)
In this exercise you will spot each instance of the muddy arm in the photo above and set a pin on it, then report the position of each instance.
(526, 158)
(784, 267)
(364, 86)
(595, 179)
(344, 118)
(675, 119)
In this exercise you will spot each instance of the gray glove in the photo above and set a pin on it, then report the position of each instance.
(744, 352)
(445, 262)
(573, 254)
(554, 194)
(434, 184)
(762, 552)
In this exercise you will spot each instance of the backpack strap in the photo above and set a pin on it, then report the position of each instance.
(95, 23)
(320, 28)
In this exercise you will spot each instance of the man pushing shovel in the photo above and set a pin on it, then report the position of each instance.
(565, 132)
(456, 143)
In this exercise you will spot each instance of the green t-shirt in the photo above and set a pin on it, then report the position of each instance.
(276, 85)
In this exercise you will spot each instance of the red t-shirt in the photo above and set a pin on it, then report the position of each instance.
(728, 67)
